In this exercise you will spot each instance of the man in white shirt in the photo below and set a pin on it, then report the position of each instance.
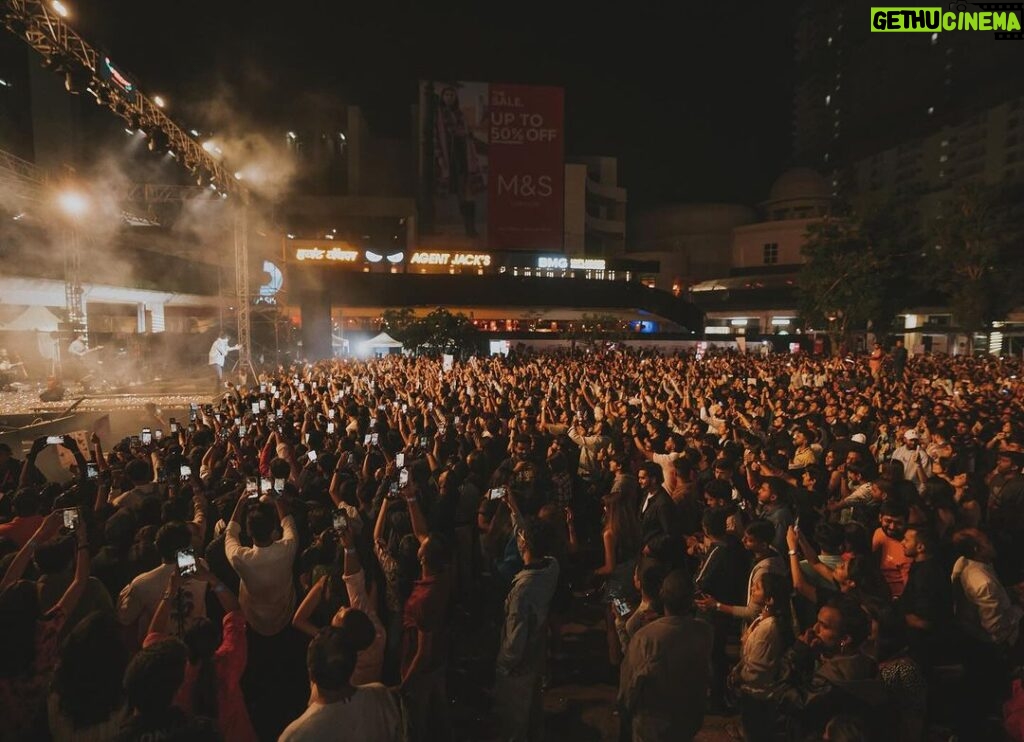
(267, 592)
(338, 709)
(139, 599)
(218, 354)
(916, 464)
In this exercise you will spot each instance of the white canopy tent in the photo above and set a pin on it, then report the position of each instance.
(380, 345)
(38, 319)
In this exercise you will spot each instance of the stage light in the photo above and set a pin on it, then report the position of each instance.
(397, 257)
(213, 186)
(73, 203)
(208, 145)
(159, 101)
(60, 8)
(373, 257)
(238, 176)
(128, 131)
(193, 132)
(5, 84)
(291, 135)
(291, 236)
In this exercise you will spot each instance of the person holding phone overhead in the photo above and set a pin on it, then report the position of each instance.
(141, 597)
(218, 355)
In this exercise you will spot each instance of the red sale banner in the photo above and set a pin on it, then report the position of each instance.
(526, 167)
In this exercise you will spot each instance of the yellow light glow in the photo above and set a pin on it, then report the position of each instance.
(73, 203)
(60, 8)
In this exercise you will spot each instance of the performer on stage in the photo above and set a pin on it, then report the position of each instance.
(76, 367)
(218, 354)
(6, 368)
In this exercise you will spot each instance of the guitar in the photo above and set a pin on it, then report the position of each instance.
(86, 352)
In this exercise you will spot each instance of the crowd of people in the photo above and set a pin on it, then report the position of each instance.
(820, 548)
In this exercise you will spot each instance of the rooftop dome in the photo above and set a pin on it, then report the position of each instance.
(799, 183)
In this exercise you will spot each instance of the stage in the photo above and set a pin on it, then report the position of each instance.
(113, 415)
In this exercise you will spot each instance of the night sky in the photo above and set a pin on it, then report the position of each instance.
(696, 103)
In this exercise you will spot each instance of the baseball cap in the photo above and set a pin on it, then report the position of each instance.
(859, 438)
(911, 435)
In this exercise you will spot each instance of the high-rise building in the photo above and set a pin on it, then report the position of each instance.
(857, 93)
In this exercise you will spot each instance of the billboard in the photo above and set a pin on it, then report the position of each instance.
(492, 165)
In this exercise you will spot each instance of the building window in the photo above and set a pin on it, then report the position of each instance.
(771, 253)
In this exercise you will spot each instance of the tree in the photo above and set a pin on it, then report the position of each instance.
(438, 332)
(855, 276)
(975, 255)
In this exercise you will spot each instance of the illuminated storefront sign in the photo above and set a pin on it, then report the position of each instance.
(332, 255)
(474, 260)
(576, 264)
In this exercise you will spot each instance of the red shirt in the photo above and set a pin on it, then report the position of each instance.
(893, 562)
(20, 530)
(229, 663)
(426, 610)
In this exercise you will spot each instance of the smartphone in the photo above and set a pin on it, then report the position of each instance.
(621, 607)
(277, 395)
(400, 459)
(302, 387)
(174, 425)
(424, 441)
(241, 431)
(217, 416)
(497, 493)
(330, 413)
(193, 411)
(441, 429)
(403, 477)
(430, 405)
(54, 440)
(405, 408)
(340, 520)
(70, 516)
(186, 560)
(91, 471)
(280, 414)
(367, 438)
(224, 434)
(330, 428)
(158, 434)
(252, 488)
(373, 422)
(191, 427)
(796, 524)
(457, 421)
(374, 438)
(256, 408)
(186, 472)
(146, 437)
(264, 485)
(393, 490)
(311, 455)
(238, 421)
(279, 485)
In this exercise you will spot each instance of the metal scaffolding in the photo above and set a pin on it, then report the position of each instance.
(65, 51)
